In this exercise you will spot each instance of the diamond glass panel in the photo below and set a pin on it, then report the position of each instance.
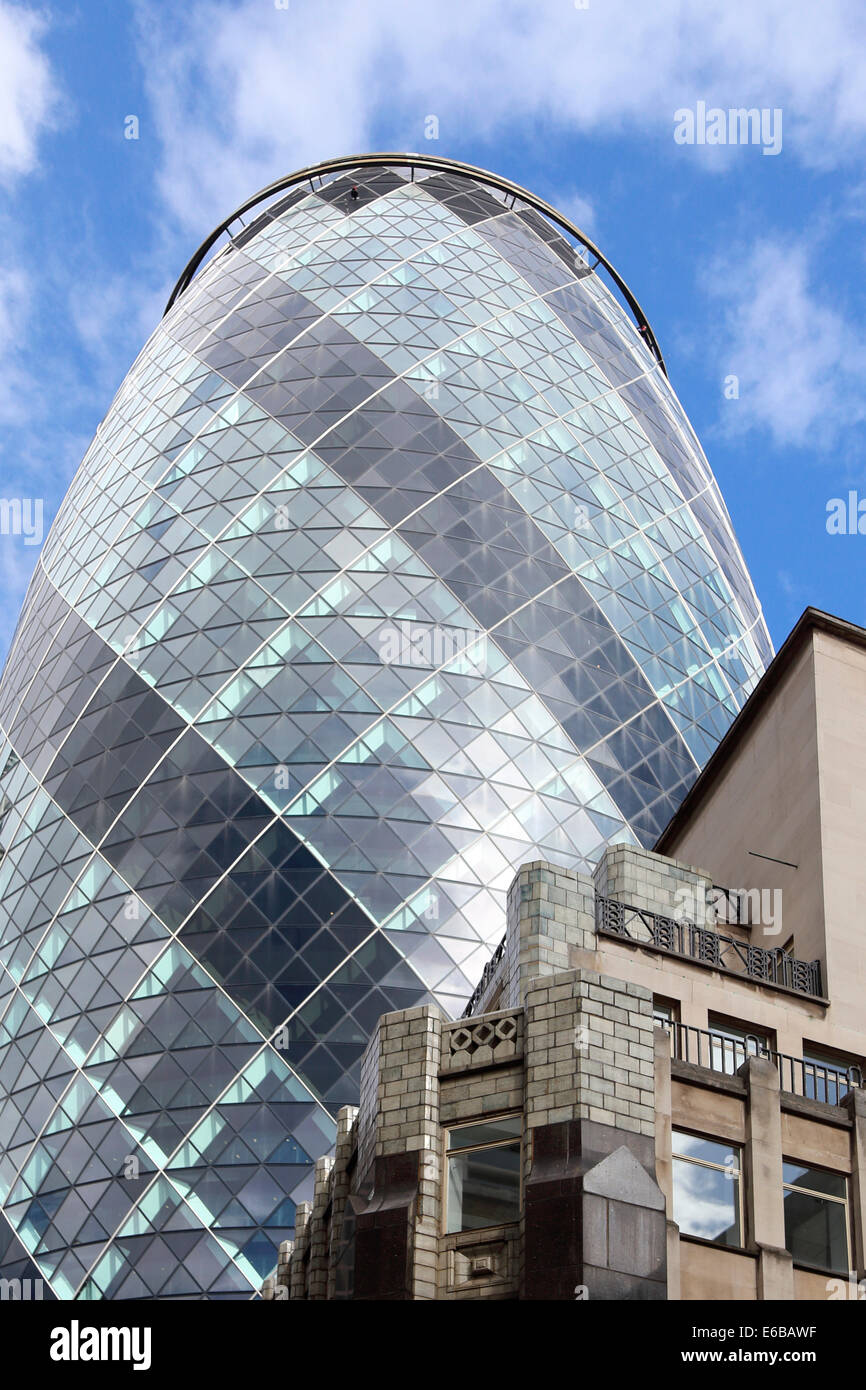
(394, 563)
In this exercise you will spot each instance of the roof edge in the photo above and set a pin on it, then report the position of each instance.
(811, 620)
(436, 163)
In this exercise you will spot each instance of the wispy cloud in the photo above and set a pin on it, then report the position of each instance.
(113, 315)
(237, 92)
(582, 211)
(28, 104)
(800, 363)
(34, 456)
(241, 92)
(28, 91)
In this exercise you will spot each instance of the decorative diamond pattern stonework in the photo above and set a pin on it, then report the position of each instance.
(394, 563)
(494, 1038)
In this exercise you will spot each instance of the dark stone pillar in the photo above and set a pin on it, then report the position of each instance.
(594, 1215)
(384, 1228)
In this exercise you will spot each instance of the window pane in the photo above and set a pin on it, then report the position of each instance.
(817, 1179)
(710, 1150)
(663, 1014)
(483, 1188)
(815, 1231)
(490, 1132)
(824, 1079)
(730, 1046)
(706, 1203)
(727, 1054)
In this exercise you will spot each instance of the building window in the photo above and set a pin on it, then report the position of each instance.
(816, 1217)
(483, 1162)
(732, 1043)
(707, 1189)
(828, 1078)
(666, 1012)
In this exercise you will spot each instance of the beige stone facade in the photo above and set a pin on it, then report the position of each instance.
(632, 1023)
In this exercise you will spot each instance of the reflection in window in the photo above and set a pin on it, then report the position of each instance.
(826, 1078)
(484, 1174)
(707, 1189)
(665, 1012)
(731, 1045)
(816, 1217)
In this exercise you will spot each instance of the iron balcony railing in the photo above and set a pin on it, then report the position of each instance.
(687, 939)
(486, 977)
(728, 903)
(797, 1075)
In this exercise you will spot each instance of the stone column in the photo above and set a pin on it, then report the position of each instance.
(762, 1179)
(551, 915)
(397, 1230)
(594, 1223)
(343, 1149)
(283, 1276)
(319, 1231)
(298, 1270)
(855, 1104)
(664, 1153)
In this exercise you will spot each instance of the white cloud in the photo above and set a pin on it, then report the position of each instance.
(581, 211)
(242, 92)
(28, 95)
(27, 108)
(800, 364)
(113, 315)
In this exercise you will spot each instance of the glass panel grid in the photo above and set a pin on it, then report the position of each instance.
(394, 563)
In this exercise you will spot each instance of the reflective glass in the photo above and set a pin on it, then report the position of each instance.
(816, 1228)
(483, 1187)
(707, 1196)
(394, 563)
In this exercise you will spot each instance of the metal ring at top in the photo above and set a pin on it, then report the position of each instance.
(435, 163)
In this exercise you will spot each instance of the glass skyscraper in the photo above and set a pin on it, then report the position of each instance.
(395, 563)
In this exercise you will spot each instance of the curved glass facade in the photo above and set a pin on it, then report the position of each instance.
(395, 563)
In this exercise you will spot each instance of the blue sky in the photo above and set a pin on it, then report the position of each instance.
(747, 264)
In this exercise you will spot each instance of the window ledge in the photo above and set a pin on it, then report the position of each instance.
(716, 1245)
(816, 1109)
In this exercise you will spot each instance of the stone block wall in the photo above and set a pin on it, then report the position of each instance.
(573, 1055)
(646, 880)
(550, 915)
(589, 1052)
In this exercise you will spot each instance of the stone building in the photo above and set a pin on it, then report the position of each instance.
(657, 1090)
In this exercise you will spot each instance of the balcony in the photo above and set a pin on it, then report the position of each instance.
(797, 1076)
(688, 941)
(486, 976)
